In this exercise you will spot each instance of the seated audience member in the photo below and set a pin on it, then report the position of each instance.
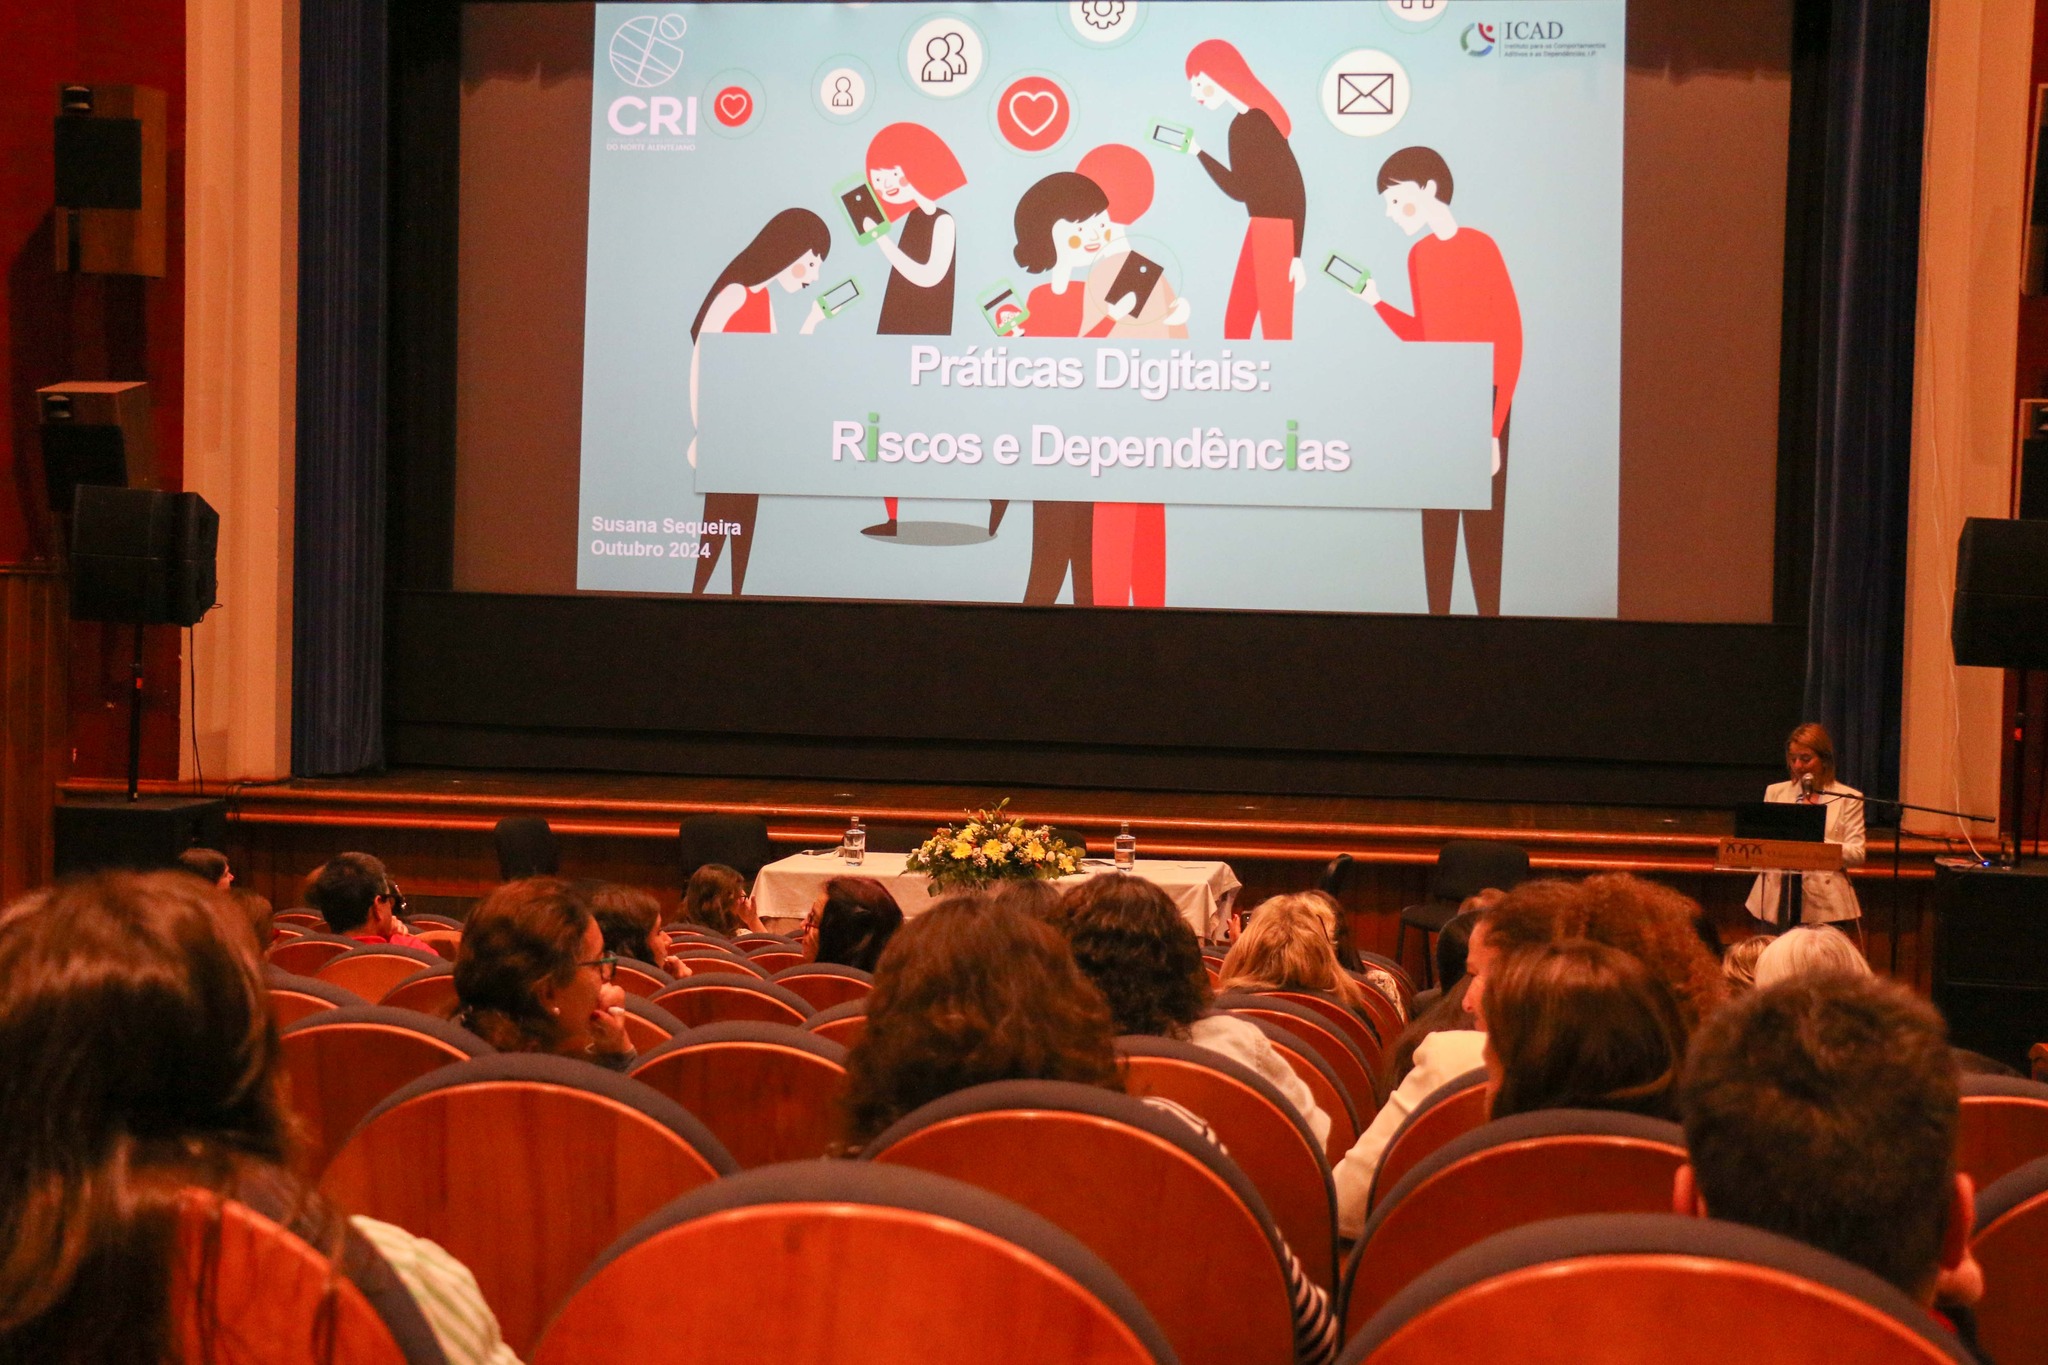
(1580, 1025)
(1446, 1013)
(717, 899)
(1035, 896)
(261, 915)
(138, 1061)
(851, 922)
(973, 991)
(1738, 964)
(1825, 1109)
(1338, 925)
(533, 976)
(1451, 943)
(630, 921)
(208, 864)
(1808, 948)
(1289, 944)
(1133, 944)
(358, 899)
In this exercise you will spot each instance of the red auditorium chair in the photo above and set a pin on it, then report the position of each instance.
(302, 919)
(825, 984)
(1549, 1164)
(420, 920)
(1364, 1029)
(771, 1092)
(750, 942)
(849, 1263)
(1358, 1069)
(2004, 1126)
(524, 1167)
(705, 959)
(1621, 1289)
(637, 978)
(1258, 1128)
(342, 1063)
(1332, 1096)
(305, 956)
(2011, 1244)
(446, 943)
(292, 998)
(371, 969)
(430, 992)
(648, 1025)
(1163, 1208)
(730, 999)
(683, 931)
(843, 1024)
(1451, 1110)
(776, 960)
(1402, 981)
(268, 1297)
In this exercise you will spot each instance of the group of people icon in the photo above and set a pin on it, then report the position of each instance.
(945, 58)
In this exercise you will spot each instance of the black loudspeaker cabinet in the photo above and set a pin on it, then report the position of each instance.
(142, 557)
(150, 833)
(2001, 607)
(94, 432)
(112, 145)
(1991, 957)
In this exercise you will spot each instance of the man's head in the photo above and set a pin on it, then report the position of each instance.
(353, 893)
(1825, 1109)
(1416, 183)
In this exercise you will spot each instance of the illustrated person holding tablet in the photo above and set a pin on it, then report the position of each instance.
(789, 252)
(1264, 177)
(1825, 897)
(1459, 287)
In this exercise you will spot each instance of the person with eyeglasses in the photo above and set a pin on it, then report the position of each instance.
(532, 975)
(358, 899)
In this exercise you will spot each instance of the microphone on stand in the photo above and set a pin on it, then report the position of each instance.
(1806, 786)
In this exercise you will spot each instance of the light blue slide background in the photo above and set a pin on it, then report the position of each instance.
(1534, 142)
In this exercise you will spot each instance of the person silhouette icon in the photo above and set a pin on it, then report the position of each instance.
(956, 54)
(842, 93)
(938, 69)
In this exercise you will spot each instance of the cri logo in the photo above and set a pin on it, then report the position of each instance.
(1477, 39)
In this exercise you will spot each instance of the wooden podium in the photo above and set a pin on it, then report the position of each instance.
(1776, 855)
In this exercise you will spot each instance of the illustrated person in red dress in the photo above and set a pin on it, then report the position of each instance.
(789, 252)
(1264, 177)
(1459, 288)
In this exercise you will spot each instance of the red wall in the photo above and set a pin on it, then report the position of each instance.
(56, 327)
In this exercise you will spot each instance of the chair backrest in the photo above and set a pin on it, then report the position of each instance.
(1451, 1110)
(1373, 1021)
(888, 1265)
(1353, 1066)
(771, 1092)
(305, 956)
(1258, 1128)
(524, 1167)
(1524, 1169)
(887, 838)
(1465, 867)
(2011, 1245)
(292, 998)
(1650, 1287)
(825, 984)
(685, 931)
(738, 841)
(1167, 1211)
(648, 1025)
(773, 960)
(1332, 1096)
(1336, 873)
(704, 959)
(749, 942)
(2004, 1126)
(1402, 980)
(843, 1024)
(302, 919)
(430, 992)
(371, 969)
(701, 1000)
(526, 848)
(445, 942)
(421, 920)
(342, 1063)
(638, 978)
(244, 1290)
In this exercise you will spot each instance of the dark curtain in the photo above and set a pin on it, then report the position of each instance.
(338, 578)
(1864, 207)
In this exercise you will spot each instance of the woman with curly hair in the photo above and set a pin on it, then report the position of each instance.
(1133, 944)
(533, 975)
(1580, 1025)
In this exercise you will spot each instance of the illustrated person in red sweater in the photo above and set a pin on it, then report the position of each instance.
(1459, 288)
(1263, 176)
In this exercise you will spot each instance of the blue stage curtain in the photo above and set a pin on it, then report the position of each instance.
(338, 577)
(1862, 418)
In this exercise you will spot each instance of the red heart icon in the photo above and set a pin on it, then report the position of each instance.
(733, 106)
(1034, 111)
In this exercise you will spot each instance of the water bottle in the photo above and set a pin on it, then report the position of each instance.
(853, 848)
(1126, 849)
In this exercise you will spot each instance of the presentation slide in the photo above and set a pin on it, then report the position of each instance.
(1284, 307)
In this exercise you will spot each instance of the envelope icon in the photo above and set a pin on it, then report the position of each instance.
(1365, 92)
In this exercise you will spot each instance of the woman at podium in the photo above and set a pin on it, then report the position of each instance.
(1826, 897)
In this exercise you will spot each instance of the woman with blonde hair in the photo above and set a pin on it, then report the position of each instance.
(1289, 944)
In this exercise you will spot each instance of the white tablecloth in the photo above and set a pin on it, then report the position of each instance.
(786, 889)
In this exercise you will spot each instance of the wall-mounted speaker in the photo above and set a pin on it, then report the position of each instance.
(2001, 607)
(94, 433)
(2033, 461)
(142, 557)
(112, 146)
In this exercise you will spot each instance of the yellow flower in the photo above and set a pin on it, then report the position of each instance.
(1035, 851)
(962, 849)
(995, 850)
(1066, 865)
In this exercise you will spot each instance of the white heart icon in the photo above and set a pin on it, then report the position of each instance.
(1035, 97)
(732, 104)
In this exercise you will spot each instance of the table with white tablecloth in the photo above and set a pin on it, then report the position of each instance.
(787, 888)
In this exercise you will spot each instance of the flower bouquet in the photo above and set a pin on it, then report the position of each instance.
(992, 847)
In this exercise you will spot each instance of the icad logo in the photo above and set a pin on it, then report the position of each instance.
(1483, 33)
(646, 51)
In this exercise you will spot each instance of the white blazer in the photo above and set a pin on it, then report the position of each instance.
(1827, 896)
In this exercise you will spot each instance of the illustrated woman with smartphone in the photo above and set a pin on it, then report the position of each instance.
(1264, 177)
(789, 252)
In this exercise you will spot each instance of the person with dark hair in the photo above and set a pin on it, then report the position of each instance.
(533, 975)
(1264, 177)
(1454, 939)
(1825, 897)
(851, 923)
(1460, 290)
(630, 921)
(208, 864)
(788, 252)
(358, 899)
(1034, 896)
(140, 1068)
(1826, 1109)
(1580, 1025)
(716, 899)
(1130, 940)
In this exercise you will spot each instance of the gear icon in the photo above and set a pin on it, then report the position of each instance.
(1102, 14)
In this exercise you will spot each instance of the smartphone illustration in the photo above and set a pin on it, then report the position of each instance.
(1174, 135)
(1137, 277)
(1352, 277)
(835, 299)
(1002, 308)
(863, 210)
